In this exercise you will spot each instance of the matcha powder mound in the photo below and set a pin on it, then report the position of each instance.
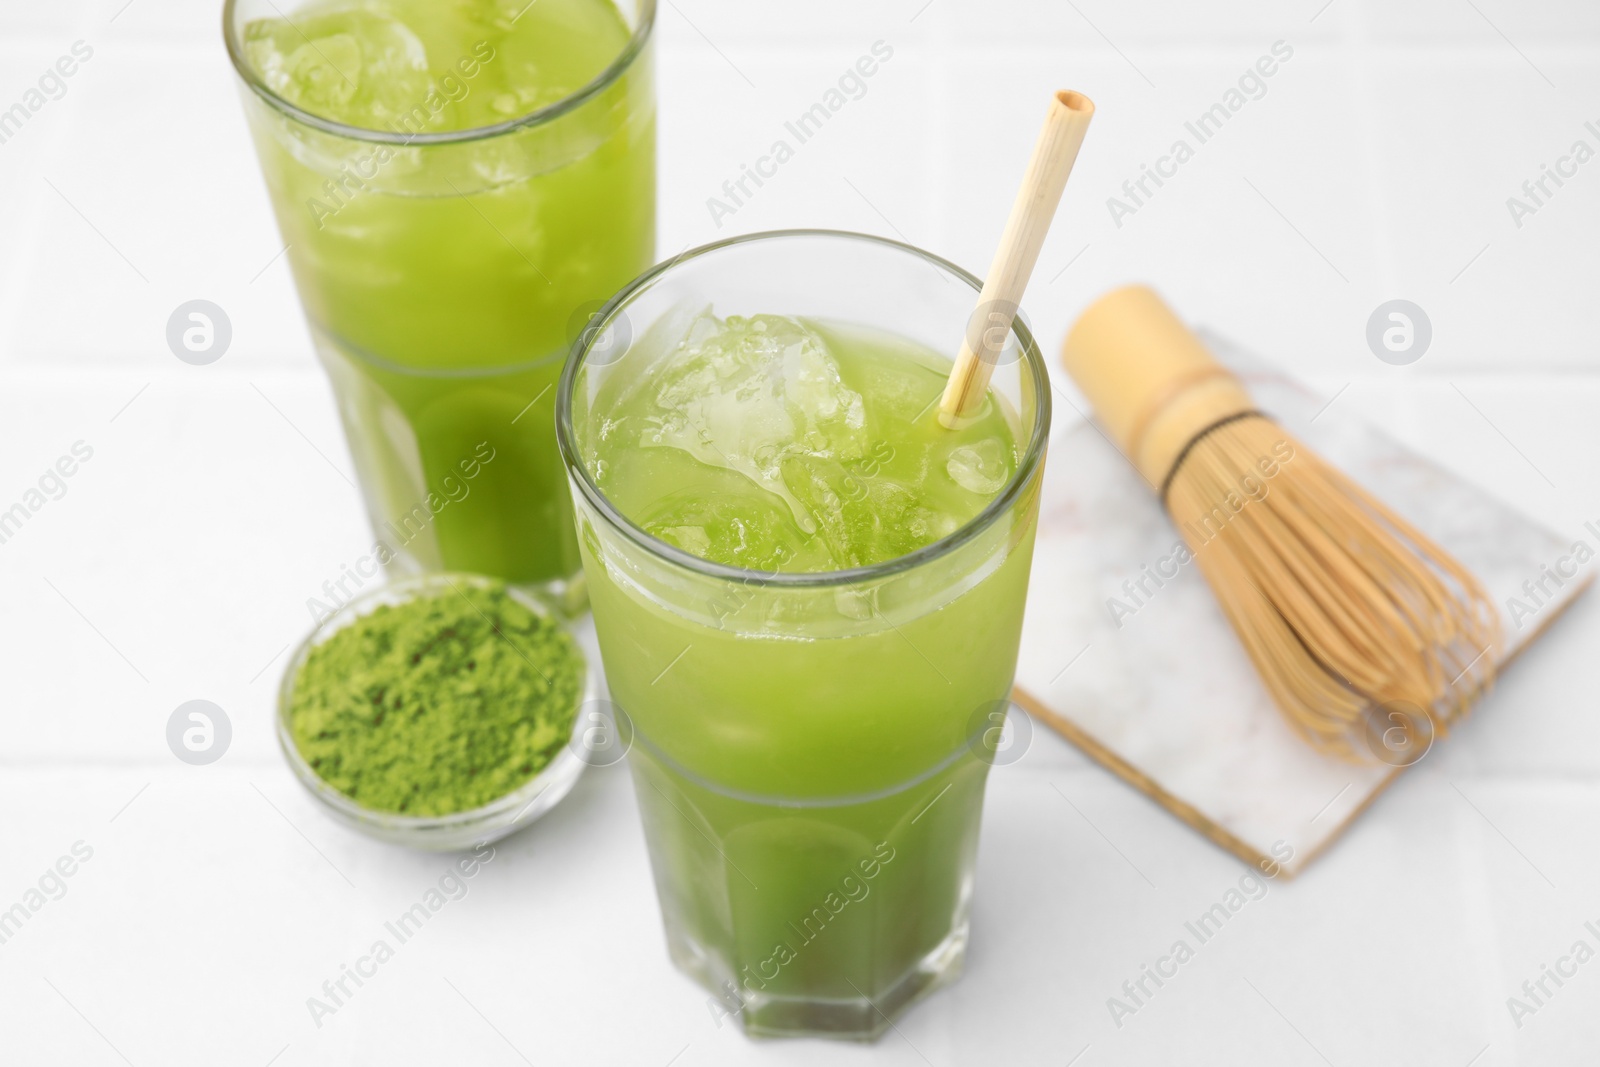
(439, 704)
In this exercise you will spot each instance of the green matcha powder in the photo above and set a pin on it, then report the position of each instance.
(437, 705)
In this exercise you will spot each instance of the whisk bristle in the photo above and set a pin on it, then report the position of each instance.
(1370, 637)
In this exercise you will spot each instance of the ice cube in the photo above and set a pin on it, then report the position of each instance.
(692, 539)
(751, 395)
(746, 532)
(979, 468)
(326, 73)
(349, 64)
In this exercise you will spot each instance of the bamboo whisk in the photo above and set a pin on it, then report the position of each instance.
(1370, 638)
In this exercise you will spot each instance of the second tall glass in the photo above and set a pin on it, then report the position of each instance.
(445, 273)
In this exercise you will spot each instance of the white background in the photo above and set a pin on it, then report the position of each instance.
(178, 563)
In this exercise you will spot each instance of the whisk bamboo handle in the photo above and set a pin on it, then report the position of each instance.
(1151, 382)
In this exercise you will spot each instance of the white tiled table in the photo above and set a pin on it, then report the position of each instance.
(178, 562)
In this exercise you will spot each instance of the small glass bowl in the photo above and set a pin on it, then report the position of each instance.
(434, 833)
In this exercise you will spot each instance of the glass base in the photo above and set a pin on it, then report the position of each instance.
(813, 920)
(847, 1019)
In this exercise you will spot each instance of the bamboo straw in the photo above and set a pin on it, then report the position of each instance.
(990, 324)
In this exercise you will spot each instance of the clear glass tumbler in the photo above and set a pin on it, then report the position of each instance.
(809, 749)
(446, 273)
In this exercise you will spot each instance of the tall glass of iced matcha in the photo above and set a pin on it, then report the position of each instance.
(459, 186)
(808, 595)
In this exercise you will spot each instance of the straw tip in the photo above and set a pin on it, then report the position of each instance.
(1074, 101)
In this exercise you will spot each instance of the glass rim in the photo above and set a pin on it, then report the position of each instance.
(537, 117)
(1027, 467)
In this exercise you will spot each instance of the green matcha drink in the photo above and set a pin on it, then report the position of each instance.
(809, 596)
(458, 185)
